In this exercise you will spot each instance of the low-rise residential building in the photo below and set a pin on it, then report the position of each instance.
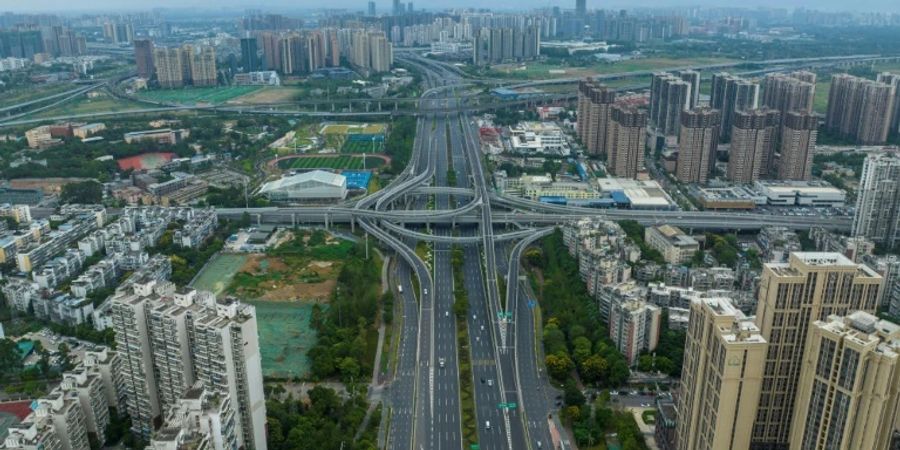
(675, 246)
(777, 243)
(262, 78)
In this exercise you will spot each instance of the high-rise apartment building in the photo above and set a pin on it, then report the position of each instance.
(697, 143)
(721, 379)
(848, 395)
(860, 109)
(595, 102)
(892, 79)
(797, 144)
(169, 71)
(731, 94)
(118, 33)
(143, 58)
(178, 67)
(495, 45)
(371, 9)
(581, 7)
(810, 286)
(371, 51)
(250, 55)
(64, 410)
(692, 77)
(634, 328)
(203, 67)
(878, 200)
(752, 144)
(625, 141)
(169, 340)
(669, 96)
(789, 92)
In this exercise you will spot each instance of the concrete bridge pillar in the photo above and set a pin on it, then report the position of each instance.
(353, 225)
(379, 106)
(315, 107)
(350, 106)
(293, 220)
(367, 106)
(326, 221)
(332, 107)
(259, 219)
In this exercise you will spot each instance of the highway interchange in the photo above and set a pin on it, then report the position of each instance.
(423, 395)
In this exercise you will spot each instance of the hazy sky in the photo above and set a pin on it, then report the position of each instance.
(384, 5)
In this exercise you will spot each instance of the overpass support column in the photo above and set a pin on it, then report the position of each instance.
(326, 221)
(293, 220)
(259, 219)
(353, 224)
(379, 106)
(367, 106)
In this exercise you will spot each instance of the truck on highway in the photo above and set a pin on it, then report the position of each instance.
(400, 288)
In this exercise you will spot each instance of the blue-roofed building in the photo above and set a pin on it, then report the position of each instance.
(553, 199)
(622, 200)
(357, 179)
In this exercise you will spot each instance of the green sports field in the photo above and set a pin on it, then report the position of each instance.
(332, 162)
(362, 147)
(219, 94)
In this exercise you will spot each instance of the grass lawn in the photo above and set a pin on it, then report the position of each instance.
(84, 105)
(270, 94)
(24, 94)
(333, 162)
(649, 416)
(218, 94)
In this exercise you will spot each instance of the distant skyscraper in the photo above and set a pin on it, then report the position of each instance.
(809, 287)
(397, 8)
(409, 7)
(692, 77)
(249, 55)
(371, 10)
(860, 109)
(729, 94)
(798, 142)
(848, 394)
(143, 57)
(669, 96)
(697, 143)
(752, 144)
(580, 7)
(878, 200)
(724, 357)
(625, 141)
(595, 102)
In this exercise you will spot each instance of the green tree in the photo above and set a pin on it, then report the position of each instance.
(89, 191)
(594, 369)
(10, 358)
(559, 365)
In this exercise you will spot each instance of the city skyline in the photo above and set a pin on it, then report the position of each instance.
(383, 7)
